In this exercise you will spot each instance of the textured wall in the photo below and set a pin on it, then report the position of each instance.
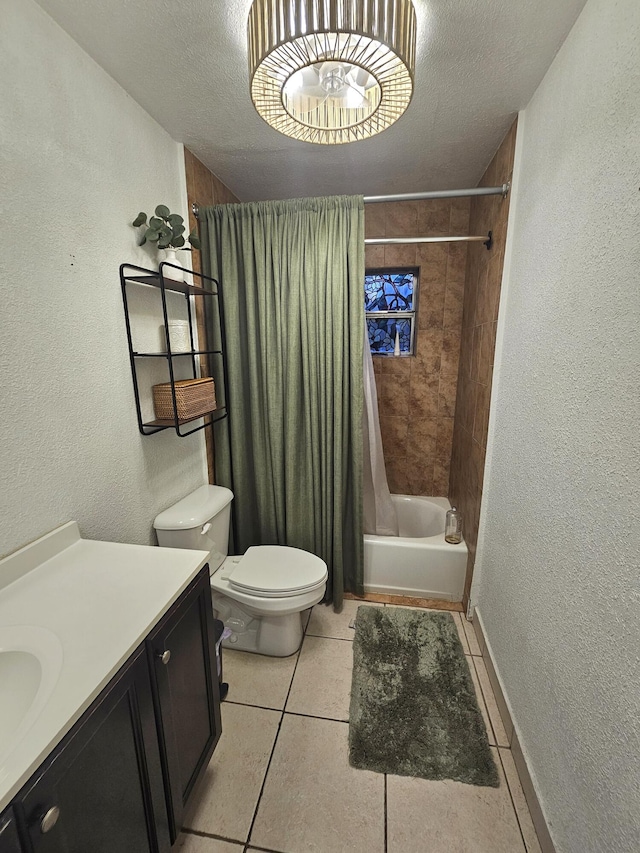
(557, 574)
(479, 322)
(417, 394)
(79, 158)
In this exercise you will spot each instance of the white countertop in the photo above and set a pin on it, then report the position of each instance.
(100, 600)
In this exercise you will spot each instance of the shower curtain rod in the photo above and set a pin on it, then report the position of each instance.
(383, 241)
(374, 199)
(501, 190)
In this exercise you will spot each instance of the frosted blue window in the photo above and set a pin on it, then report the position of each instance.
(390, 302)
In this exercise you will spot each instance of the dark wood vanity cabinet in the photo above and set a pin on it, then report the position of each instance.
(9, 841)
(186, 694)
(102, 788)
(120, 779)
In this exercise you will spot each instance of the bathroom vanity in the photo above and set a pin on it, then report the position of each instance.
(107, 652)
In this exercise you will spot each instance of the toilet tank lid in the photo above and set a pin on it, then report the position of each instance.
(195, 509)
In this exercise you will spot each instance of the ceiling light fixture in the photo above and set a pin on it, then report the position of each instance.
(331, 71)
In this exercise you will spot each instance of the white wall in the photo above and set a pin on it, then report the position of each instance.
(558, 580)
(78, 159)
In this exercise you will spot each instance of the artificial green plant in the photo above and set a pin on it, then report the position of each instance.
(166, 229)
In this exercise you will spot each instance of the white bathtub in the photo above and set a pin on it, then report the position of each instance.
(418, 562)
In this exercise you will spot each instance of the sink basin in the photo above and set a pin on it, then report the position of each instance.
(30, 664)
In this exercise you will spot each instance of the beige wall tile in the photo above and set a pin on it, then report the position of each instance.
(375, 220)
(373, 256)
(428, 352)
(447, 395)
(402, 219)
(433, 217)
(433, 259)
(416, 393)
(400, 255)
(450, 353)
(481, 419)
(444, 439)
(460, 211)
(485, 355)
(397, 476)
(394, 435)
(440, 479)
(393, 396)
(424, 396)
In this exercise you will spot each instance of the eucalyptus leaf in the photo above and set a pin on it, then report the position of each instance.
(152, 236)
(195, 240)
(174, 220)
(163, 243)
(141, 219)
(177, 242)
(177, 230)
(156, 224)
(163, 211)
(143, 241)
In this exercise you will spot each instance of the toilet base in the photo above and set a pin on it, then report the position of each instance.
(275, 636)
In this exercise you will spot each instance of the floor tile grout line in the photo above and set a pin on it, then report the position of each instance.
(322, 637)
(513, 802)
(386, 815)
(199, 833)
(491, 731)
(275, 742)
(484, 694)
(251, 705)
(486, 707)
(315, 717)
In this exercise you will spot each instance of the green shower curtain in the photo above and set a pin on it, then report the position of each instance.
(292, 275)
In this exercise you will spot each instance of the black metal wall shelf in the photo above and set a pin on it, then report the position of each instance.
(131, 274)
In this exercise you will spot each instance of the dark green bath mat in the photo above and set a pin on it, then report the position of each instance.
(413, 706)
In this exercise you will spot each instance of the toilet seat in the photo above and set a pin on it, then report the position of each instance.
(276, 571)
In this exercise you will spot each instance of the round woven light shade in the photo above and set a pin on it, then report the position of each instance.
(331, 71)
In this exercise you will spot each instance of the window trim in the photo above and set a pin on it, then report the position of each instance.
(410, 315)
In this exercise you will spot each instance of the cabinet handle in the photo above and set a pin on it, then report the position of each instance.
(165, 656)
(49, 819)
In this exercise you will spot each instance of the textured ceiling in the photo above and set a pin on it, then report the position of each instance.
(478, 63)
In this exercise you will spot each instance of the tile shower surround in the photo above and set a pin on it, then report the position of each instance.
(479, 324)
(417, 394)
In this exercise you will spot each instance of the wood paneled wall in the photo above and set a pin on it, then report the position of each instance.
(203, 188)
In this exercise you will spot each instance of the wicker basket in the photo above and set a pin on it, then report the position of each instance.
(194, 397)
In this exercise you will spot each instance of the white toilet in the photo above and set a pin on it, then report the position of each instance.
(259, 596)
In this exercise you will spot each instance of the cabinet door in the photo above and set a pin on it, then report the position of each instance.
(186, 693)
(101, 789)
(9, 842)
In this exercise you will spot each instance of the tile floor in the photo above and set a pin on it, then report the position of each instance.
(280, 778)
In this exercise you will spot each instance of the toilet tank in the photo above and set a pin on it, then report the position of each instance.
(199, 521)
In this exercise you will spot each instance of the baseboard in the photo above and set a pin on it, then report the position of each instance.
(511, 728)
(407, 601)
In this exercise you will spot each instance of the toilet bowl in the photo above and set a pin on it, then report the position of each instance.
(260, 595)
